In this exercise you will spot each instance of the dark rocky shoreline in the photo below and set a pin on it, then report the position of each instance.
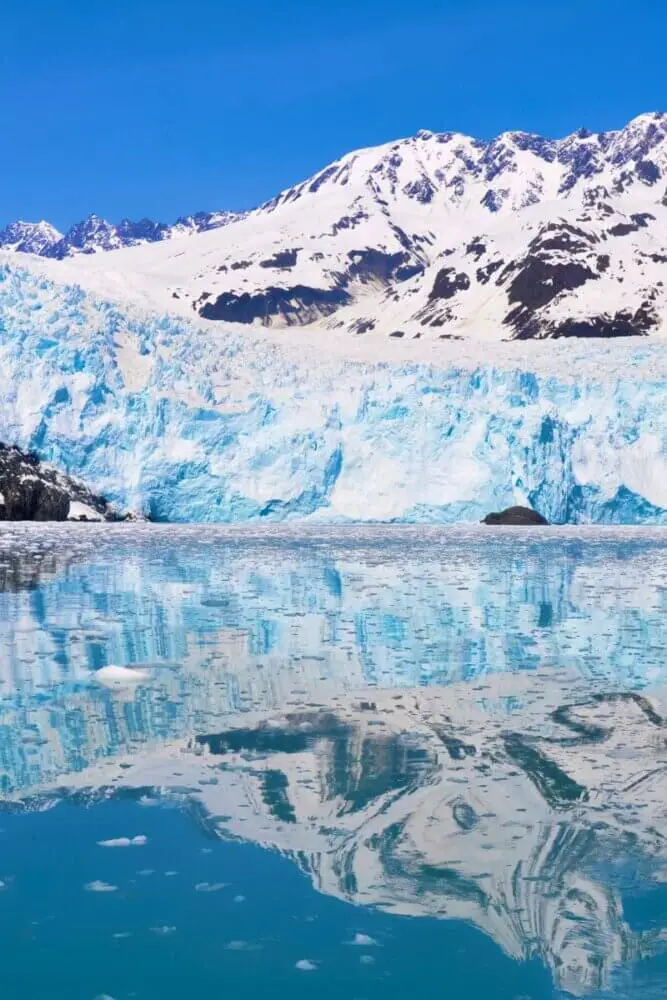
(33, 491)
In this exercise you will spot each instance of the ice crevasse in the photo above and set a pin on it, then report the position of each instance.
(187, 422)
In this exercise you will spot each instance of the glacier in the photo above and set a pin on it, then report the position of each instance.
(187, 421)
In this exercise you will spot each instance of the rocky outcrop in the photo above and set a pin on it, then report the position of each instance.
(31, 491)
(515, 515)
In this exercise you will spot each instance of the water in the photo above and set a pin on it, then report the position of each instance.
(355, 764)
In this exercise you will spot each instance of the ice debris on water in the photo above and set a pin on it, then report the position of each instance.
(139, 841)
(99, 886)
(363, 940)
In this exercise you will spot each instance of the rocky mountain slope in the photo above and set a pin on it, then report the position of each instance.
(438, 235)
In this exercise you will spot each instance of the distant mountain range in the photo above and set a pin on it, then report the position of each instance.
(439, 235)
(95, 234)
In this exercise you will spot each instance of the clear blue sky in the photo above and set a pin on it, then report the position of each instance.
(162, 107)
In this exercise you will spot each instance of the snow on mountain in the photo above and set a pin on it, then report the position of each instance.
(438, 235)
(94, 234)
(28, 237)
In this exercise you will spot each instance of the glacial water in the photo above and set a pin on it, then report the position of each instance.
(350, 763)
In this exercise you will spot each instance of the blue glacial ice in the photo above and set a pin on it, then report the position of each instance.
(192, 423)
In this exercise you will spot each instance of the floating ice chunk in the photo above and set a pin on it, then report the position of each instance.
(163, 931)
(139, 841)
(366, 959)
(118, 677)
(242, 946)
(210, 886)
(82, 512)
(99, 886)
(363, 940)
(239, 899)
(305, 965)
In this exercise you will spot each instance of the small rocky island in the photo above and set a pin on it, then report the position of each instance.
(515, 515)
(33, 491)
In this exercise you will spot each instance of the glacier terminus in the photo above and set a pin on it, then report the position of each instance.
(185, 421)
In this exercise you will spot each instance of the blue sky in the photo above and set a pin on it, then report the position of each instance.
(162, 107)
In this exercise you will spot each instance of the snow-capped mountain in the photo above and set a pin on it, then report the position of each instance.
(94, 234)
(29, 237)
(436, 235)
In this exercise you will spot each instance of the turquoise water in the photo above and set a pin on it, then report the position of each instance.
(357, 763)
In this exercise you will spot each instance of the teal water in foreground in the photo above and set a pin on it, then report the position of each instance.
(356, 764)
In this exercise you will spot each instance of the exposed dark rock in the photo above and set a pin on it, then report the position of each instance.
(540, 281)
(31, 491)
(624, 229)
(422, 190)
(648, 172)
(296, 305)
(515, 515)
(363, 326)
(323, 177)
(603, 262)
(376, 265)
(282, 259)
(448, 282)
(397, 333)
(621, 324)
(476, 247)
(562, 236)
(484, 274)
(348, 222)
(493, 200)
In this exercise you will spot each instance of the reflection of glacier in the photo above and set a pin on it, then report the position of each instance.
(254, 626)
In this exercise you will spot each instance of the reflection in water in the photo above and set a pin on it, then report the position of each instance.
(466, 727)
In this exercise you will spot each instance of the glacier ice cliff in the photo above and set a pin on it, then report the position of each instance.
(187, 423)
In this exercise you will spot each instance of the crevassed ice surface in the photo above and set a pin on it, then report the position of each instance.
(354, 763)
(194, 423)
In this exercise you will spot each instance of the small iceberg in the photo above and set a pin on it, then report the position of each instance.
(139, 841)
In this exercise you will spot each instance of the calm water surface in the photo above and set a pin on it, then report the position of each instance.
(356, 764)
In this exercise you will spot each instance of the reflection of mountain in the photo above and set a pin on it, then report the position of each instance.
(504, 804)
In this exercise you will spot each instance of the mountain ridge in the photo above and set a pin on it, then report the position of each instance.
(439, 234)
